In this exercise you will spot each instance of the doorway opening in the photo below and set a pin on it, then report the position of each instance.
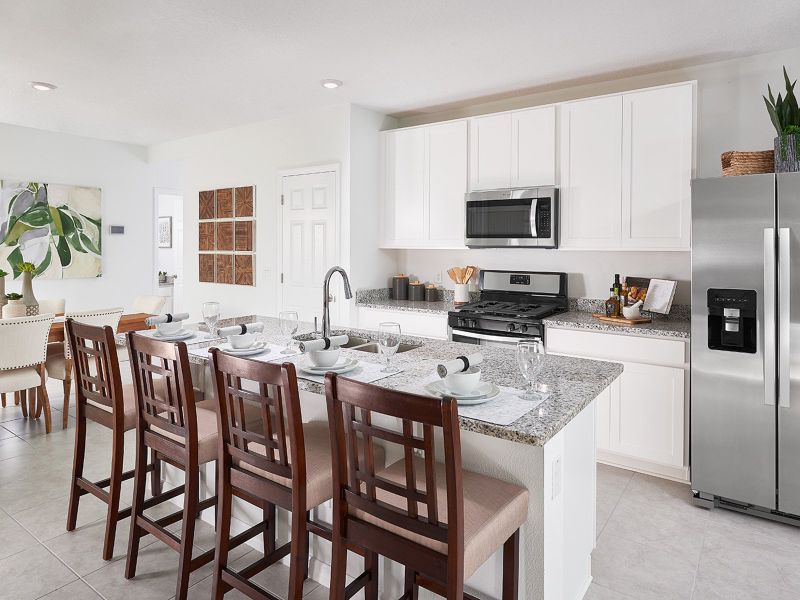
(169, 249)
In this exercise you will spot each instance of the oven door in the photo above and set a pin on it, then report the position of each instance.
(488, 339)
(516, 221)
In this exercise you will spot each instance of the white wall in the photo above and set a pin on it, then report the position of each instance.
(252, 154)
(125, 177)
(731, 116)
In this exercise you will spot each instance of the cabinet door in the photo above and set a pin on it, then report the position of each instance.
(404, 216)
(657, 167)
(447, 183)
(490, 152)
(647, 416)
(591, 173)
(533, 147)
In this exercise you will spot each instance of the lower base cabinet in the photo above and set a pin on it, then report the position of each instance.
(642, 419)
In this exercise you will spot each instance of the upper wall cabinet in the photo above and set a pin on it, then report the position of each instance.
(626, 169)
(513, 149)
(425, 179)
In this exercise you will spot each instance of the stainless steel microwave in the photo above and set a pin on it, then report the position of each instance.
(515, 217)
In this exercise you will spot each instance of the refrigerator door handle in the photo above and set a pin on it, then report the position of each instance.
(784, 317)
(769, 316)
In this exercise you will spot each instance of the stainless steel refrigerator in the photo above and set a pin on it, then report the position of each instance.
(745, 345)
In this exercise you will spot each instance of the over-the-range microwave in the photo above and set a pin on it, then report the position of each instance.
(514, 217)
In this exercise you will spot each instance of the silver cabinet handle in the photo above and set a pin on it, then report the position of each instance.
(769, 316)
(784, 316)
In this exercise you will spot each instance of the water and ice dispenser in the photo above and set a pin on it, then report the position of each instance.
(732, 320)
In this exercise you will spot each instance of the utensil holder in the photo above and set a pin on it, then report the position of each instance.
(461, 293)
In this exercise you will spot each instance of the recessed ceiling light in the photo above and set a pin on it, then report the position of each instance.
(331, 84)
(43, 86)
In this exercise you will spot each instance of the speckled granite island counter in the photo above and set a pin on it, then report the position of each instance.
(550, 450)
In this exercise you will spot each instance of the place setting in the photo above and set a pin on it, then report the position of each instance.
(171, 328)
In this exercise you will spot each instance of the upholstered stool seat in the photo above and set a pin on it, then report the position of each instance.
(207, 435)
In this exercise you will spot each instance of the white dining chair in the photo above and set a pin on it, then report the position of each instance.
(152, 305)
(59, 363)
(52, 305)
(23, 352)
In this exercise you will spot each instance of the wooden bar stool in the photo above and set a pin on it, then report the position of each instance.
(439, 521)
(280, 462)
(100, 397)
(181, 435)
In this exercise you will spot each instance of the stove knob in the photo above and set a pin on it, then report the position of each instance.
(524, 329)
(512, 327)
(472, 323)
(461, 322)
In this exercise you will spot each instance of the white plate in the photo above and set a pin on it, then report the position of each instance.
(483, 393)
(174, 337)
(343, 365)
(256, 348)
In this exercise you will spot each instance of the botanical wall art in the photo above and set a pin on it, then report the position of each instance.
(226, 235)
(57, 228)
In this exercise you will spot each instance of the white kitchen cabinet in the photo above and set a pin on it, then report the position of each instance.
(430, 325)
(642, 422)
(591, 168)
(513, 149)
(424, 182)
(626, 167)
(657, 161)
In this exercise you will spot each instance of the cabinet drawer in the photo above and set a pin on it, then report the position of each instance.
(411, 323)
(619, 348)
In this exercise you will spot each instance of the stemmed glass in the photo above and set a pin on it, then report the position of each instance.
(388, 343)
(289, 324)
(211, 316)
(530, 358)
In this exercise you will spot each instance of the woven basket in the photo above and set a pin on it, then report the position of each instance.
(748, 163)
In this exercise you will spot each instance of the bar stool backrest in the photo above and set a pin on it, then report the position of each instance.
(351, 407)
(97, 371)
(165, 399)
(279, 429)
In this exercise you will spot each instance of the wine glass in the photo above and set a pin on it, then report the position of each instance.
(388, 343)
(211, 316)
(530, 358)
(289, 324)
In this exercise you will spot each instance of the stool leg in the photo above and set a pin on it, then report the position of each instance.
(137, 508)
(155, 474)
(269, 529)
(411, 590)
(77, 470)
(112, 516)
(224, 501)
(3, 399)
(511, 567)
(191, 498)
(338, 567)
(371, 565)
(16, 398)
(43, 401)
(299, 553)
(23, 402)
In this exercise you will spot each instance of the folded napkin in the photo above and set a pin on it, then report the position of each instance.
(168, 318)
(324, 343)
(256, 327)
(458, 364)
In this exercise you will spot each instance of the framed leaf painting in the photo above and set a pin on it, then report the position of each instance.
(58, 228)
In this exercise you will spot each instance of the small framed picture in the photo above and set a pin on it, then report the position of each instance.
(660, 294)
(165, 232)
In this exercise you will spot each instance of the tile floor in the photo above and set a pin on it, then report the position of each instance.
(652, 542)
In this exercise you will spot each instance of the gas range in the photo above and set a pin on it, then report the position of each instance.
(511, 307)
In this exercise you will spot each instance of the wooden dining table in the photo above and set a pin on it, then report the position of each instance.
(128, 322)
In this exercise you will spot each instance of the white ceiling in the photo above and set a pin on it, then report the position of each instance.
(145, 71)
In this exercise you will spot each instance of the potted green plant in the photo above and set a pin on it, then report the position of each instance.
(14, 306)
(28, 271)
(162, 277)
(785, 116)
(2, 289)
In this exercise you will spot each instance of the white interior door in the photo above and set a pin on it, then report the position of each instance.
(309, 204)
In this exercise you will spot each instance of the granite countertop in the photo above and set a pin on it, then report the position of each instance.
(575, 381)
(667, 327)
(439, 307)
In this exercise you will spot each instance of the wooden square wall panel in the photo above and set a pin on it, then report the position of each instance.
(225, 203)
(244, 236)
(207, 204)
(207, 268)
(225, 236)
(244, 201)
(244, 269)
(206, 236)
(224, 268)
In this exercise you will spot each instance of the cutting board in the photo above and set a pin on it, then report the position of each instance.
(621, 320)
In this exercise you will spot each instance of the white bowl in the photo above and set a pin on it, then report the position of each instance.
(463, 382)
(324, 358)
(632, 312)
(242, 341)
(168, 328)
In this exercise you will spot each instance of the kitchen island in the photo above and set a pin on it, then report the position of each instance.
(550, 451)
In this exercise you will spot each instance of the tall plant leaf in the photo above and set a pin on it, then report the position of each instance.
(15, 260)
(42, 266)
(64, 251)
(37, 215)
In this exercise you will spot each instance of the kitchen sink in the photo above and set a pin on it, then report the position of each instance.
(365, 345)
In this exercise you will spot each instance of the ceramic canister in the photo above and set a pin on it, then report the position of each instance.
(400, 287)
(416, 291)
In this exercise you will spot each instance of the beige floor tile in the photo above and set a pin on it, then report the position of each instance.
(5, 433)
(32, 574)
(77, 590)
(14, 446)
(49, 520)
(598, 592)
(13, 537)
